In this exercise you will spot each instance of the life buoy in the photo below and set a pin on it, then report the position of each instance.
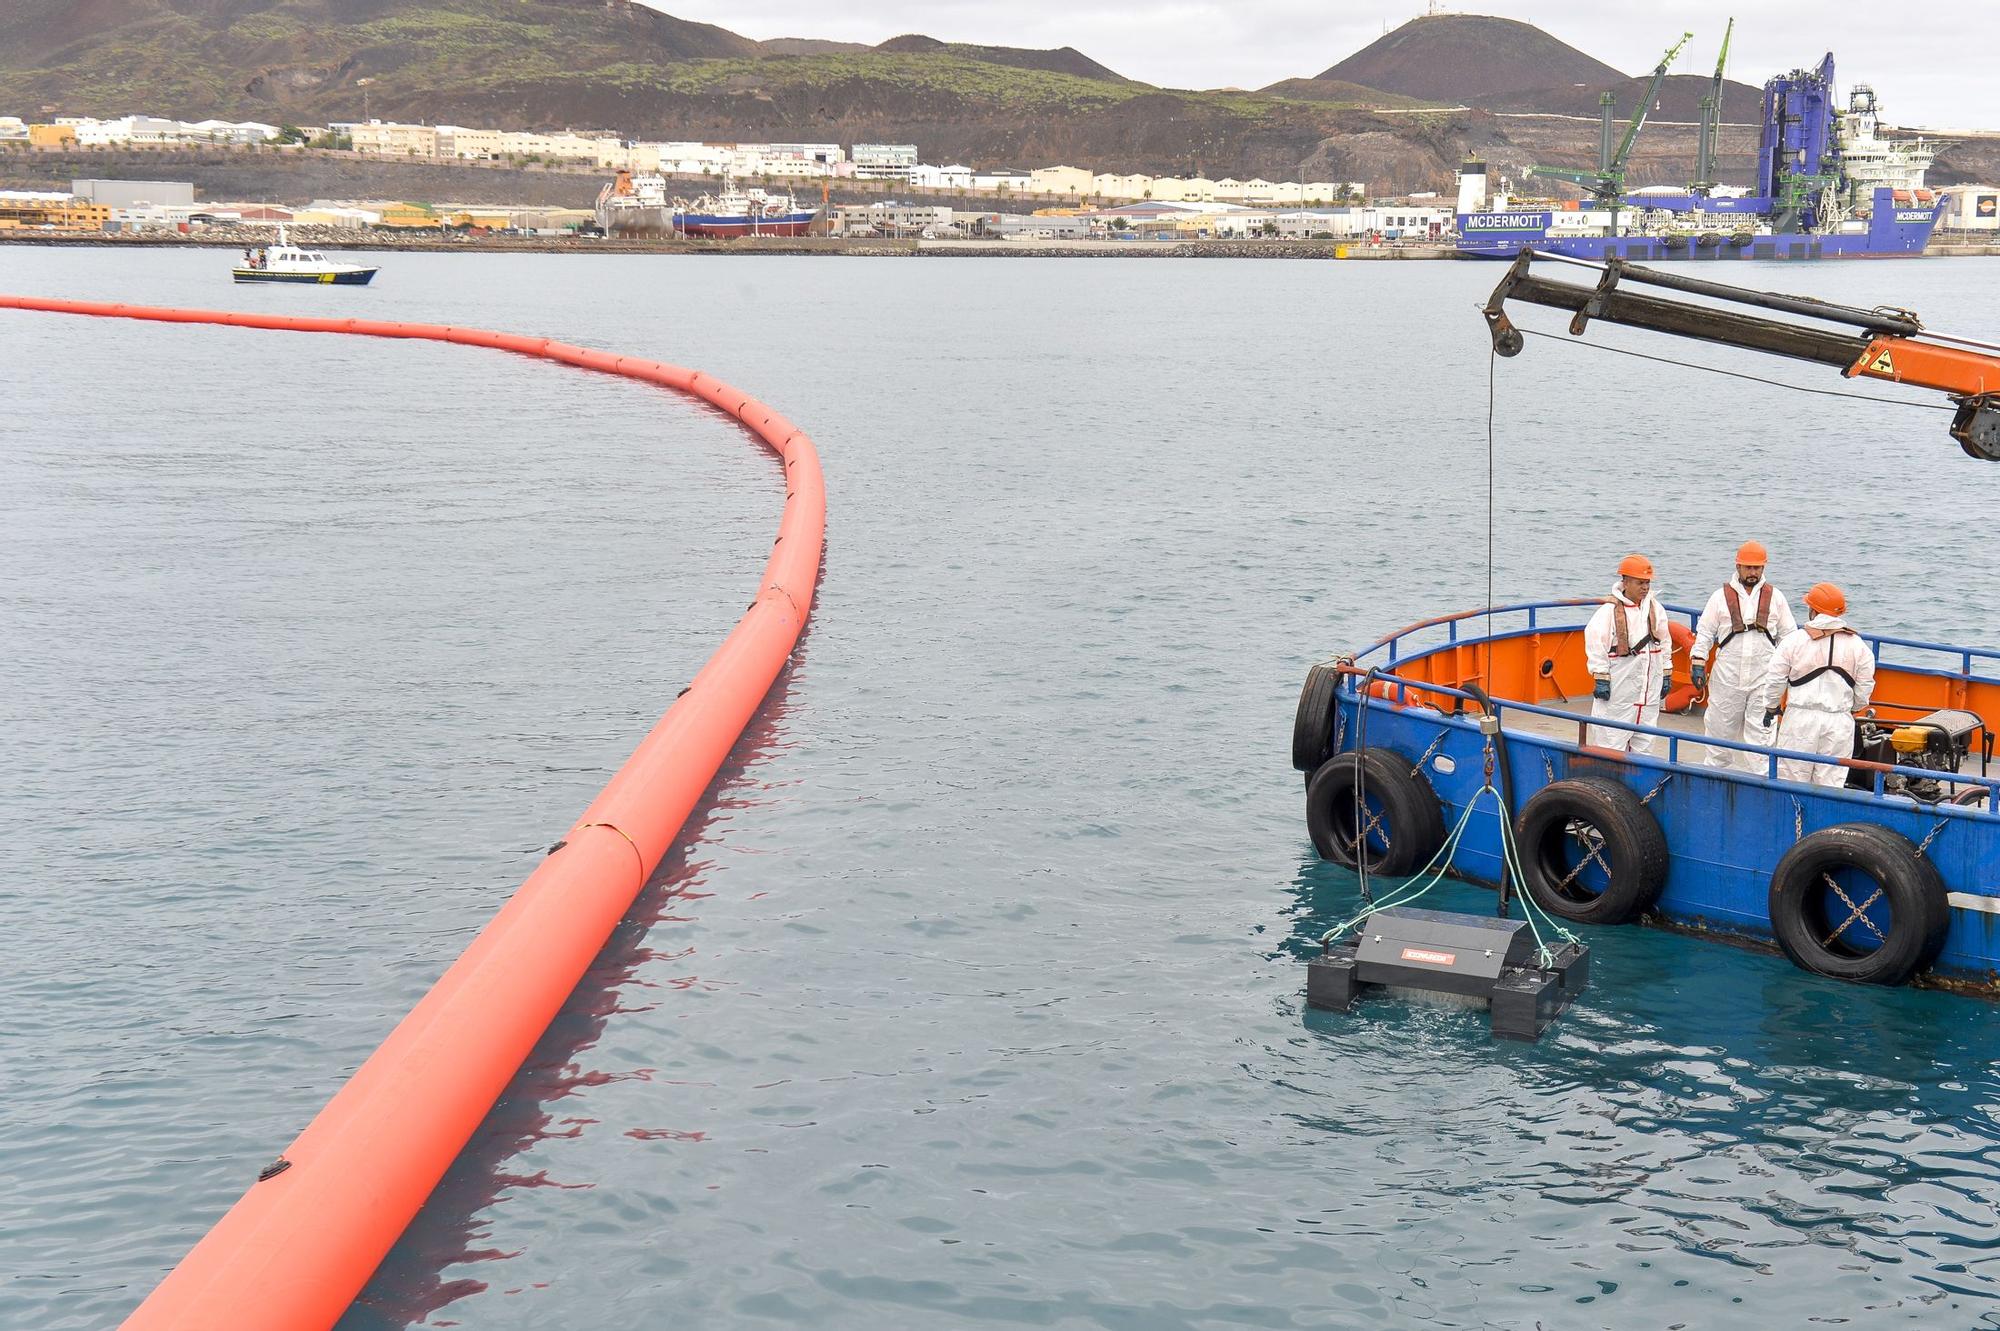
(1591, 851)
(1401, 823)
(1312, 728)
(1681, 696)
(1858, 902)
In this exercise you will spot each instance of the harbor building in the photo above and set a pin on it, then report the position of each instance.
(885, 161)
(383, 139)
(135, 193)
(40, 210)
(890, 219)
(1971, 208)
(1057, 181)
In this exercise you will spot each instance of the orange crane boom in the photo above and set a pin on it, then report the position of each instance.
(1880, 343)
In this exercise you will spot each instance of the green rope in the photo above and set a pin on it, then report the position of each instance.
(1412, 888)
(1433, 873)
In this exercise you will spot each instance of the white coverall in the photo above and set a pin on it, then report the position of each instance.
(1635, 678)
(1736, 680)
(1819, 718)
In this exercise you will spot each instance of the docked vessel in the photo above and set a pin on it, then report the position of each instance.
(640, 206)
(1466, 745)
(285, 262)
(1829, 185)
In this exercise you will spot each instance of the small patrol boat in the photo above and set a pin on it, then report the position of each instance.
(285, 262)
(1464, 746)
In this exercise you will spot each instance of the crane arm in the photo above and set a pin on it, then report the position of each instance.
(1872, 344)
(1646, 102)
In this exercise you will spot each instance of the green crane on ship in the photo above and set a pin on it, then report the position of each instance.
(1607, 182)
(1711, 124)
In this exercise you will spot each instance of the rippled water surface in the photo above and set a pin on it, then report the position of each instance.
(973, 994)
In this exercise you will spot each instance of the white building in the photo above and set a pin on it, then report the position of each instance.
(379, 138)
(1172, 189)
(885, 161)
(1971, 208)
(1407, 221)
(1001, 180)
(891, 219)
(240, 132)
(825, 155)
(470, 145)
(1106, 185)
(941, 177)
(12, 128)
(693, 159)
(1060, 181)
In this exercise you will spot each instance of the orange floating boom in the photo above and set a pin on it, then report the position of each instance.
(296, 1249)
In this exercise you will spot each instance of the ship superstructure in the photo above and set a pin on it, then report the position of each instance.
(639, 205)
(1828, 185)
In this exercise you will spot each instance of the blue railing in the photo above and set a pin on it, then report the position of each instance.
(1533, 611)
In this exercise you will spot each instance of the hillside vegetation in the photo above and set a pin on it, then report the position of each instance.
(1381, 115)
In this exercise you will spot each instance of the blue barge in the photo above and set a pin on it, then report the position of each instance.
(1663, 837)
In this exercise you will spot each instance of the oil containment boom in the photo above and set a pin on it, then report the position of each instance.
(1875, 343)
(302, 1241)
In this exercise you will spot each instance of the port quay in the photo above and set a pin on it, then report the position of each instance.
(883, 199)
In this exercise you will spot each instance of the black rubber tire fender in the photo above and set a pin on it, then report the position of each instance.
(1312, 729)
(1629, 843)
(1919, 908)
(1411, 815)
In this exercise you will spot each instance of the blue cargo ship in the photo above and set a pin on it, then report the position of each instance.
(1828, 186)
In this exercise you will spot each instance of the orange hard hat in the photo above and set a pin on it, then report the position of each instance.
(1823, 598)
(1750, 552)
(1635, 566)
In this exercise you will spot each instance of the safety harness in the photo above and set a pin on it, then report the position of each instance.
(1624, 646)
(1829, 668)
(1761, 624)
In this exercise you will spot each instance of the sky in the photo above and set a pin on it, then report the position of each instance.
(1929, 62)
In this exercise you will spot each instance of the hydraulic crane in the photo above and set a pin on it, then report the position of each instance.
(1711, 124)
(1880, 343)
(1607, 183)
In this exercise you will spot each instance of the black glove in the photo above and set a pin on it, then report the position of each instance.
(1666, 685)
(1602, 690)
(1700, 677)
(1770, 715)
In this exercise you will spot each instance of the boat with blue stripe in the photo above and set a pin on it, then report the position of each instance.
(1396, 745)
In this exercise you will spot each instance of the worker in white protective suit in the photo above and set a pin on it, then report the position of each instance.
(1829, 675)
(1743, 622)
(1630, 657)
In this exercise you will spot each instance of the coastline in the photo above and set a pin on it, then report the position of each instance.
(869, 247)
(825, 246)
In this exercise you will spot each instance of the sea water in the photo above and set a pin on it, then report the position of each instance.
(973, 993)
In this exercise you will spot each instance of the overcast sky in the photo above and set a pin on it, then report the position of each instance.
(1930, 62)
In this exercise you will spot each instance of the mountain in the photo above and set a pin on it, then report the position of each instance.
(1679, 99)
(307, 58)
(1062, 60)
(610, 64)
(1384, 115)
(1335, 90)
(1458, 59)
